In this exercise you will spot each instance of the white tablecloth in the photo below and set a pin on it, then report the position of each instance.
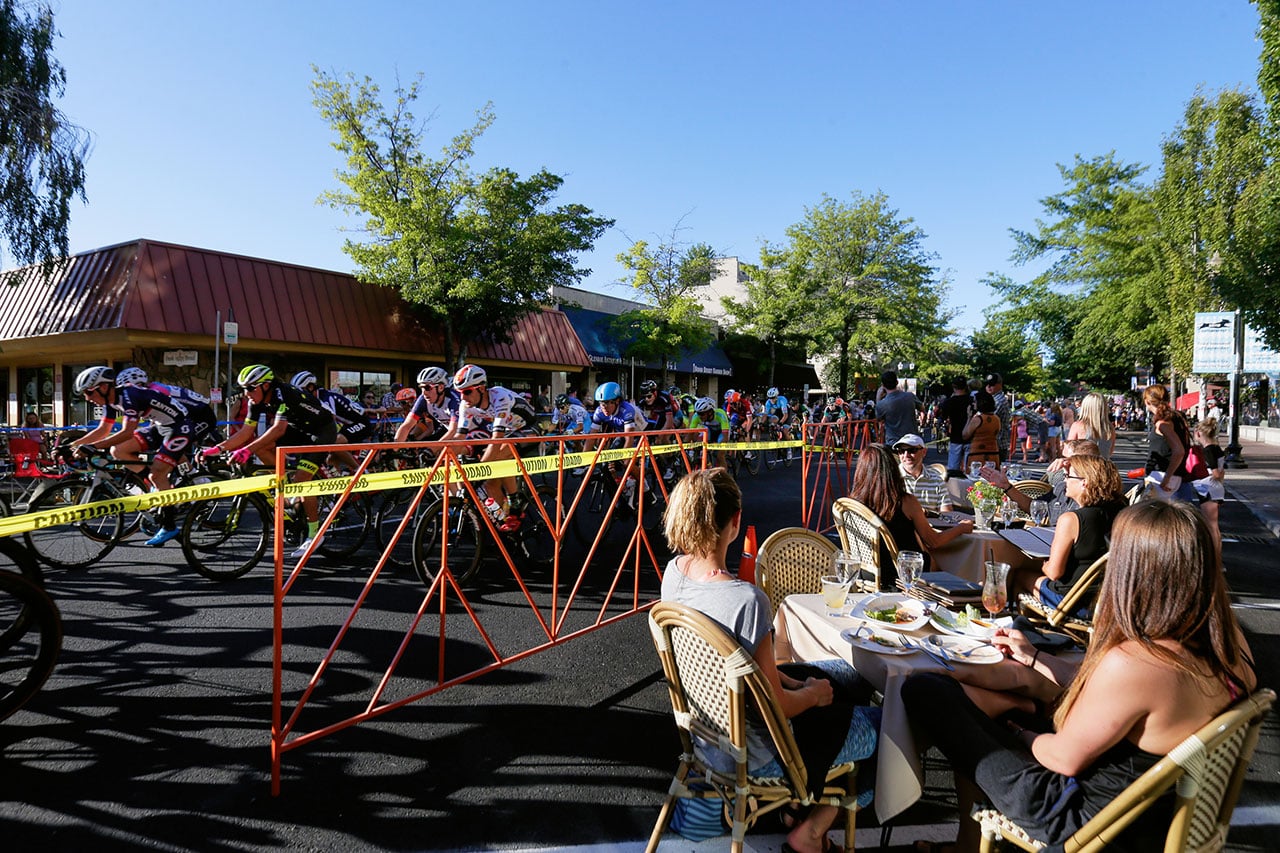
(966, 555)
(806, 633)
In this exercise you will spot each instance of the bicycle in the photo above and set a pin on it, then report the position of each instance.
(30, 629)
(604, 497)
(775, 455)
(225, 538)
(464, 527)
(739, 459)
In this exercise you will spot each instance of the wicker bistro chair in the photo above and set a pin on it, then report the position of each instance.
(1033, 489)
(792, 560)
(1060, 617)
(939, 469)
(1207, 770)
(712, 681)
(862, 532)
(1136, 494)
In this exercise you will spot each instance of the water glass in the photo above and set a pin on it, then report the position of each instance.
(1014, 472)
(1039, 513)
(844, 564)
(834, 590)
(975, 470)
(1008, 511)
(910, 564)
(1056, 509)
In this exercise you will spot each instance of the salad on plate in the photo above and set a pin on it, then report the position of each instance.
(966, 623)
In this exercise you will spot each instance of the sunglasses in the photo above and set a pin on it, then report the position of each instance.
(467, 392)
(901, 450)
(1074, 477)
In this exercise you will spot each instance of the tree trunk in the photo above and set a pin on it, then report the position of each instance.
(773, 359)
(844, 362)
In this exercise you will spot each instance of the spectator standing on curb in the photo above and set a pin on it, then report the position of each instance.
(995, 387)
(955, 410)
(897, 408)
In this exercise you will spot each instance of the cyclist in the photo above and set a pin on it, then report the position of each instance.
(175, 428)
(437, 403)
(659, 410)
(778, 411)
(299, 419)
(737, 405)
(617, 415)
(354, 426)
(137, 377)
(495, 412)
(715, 421)
(569, 417)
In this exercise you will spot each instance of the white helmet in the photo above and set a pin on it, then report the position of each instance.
(772, 393)
(132, 376)
(705, 405)
(433, 376)
(469, 376)
(91, 377)
(303, 378)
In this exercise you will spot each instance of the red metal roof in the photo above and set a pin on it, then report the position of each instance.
(163, 288)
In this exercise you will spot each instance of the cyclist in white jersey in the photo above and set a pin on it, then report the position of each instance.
(498, 413)
(569, 417)
(437, 403)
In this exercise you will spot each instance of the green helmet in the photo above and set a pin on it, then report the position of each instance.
(255, 374)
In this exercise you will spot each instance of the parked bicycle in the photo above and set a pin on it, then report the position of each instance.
(30, 628)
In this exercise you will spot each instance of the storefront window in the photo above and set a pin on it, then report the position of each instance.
(79, 412)
(355, 382)
(36, 389)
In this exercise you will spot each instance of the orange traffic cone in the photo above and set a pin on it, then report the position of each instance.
(747, 565)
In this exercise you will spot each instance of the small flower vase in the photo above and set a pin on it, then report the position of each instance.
(982, 516)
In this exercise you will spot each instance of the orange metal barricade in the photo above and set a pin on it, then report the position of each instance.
(578, 559)
(830, 454)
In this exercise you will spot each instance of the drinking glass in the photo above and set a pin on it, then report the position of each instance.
(995, 593)
(1008, 511)
(1015, 472)
(1039, 513)
(910, 564)
(834, 590)
(975, 469)
(1056, 509)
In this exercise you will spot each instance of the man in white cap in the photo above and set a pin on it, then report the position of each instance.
(925, 483)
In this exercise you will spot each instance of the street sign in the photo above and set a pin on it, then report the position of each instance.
(1214, 346)
(215, 395)
(231, 334)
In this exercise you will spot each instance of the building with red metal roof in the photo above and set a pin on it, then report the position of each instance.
(159, 305)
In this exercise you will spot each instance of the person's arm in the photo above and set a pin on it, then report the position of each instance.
(1077, 431)
(1117, 698)
(406, 427)
(1177, 452)
(1064, 539)
(1017, 648)
(971, 426)
(126, 431)
(813, 693)
(102, 430)
(929, 537)
(997, 478)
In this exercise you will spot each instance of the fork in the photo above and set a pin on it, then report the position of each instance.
(919, 646)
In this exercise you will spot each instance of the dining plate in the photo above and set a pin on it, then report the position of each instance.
(881, 644)
(904, 604)
(945, 621)
(966, 650)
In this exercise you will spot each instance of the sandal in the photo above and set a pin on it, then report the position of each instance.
(790, 815)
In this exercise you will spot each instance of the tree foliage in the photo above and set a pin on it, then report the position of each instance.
(474, 253)
(667, 277)
(771, 313)
(42, 153)
(1003, 346)
(873, 293)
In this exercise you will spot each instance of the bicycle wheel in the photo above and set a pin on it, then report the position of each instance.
(751, 461)
(537, 539)
(652, 503)
(16, 557)
(33, 649)
(75, 545)
(225, 538)
(589, 517)
(130, 520)
(349, 527)
(395, 503)
(465, 532)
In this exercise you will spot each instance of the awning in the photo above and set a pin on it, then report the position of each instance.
(605, 348)
(1187, 401)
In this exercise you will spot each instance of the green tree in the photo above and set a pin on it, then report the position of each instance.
(1003, 346)
(771, 312)
(474, 254)
(667, 277)
(42, 154)
(874, 295)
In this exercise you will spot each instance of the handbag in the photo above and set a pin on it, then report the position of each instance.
(1194, 464)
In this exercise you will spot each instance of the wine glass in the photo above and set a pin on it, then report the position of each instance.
(1015, 472)
(1008, 511)
(995, 595)
(975, 469)
(1039, 513)
(910, 563)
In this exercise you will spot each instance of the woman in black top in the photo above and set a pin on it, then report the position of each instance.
(877, 483)
(1082, 535)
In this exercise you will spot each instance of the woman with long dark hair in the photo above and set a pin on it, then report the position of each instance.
(1166, 657)
(878, 484)
(1168, 440)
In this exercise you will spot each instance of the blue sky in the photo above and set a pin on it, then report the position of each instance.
(735, 116)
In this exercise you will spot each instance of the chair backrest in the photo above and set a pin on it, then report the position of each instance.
(1082, 591)
(1033, 488)
(792, 560)
(1136, 494)
(1208, 769)
(939, 469)
(862, 532)
(712, 680)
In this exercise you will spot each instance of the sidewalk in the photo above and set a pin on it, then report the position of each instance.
(1258, 486)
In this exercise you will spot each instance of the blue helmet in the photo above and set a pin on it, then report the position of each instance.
(608, 391)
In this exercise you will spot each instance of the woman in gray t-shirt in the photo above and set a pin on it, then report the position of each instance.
(827, 705)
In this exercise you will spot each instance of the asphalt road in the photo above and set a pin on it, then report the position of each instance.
(153, 731)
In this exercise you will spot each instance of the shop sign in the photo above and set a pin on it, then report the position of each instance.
(181, 357)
